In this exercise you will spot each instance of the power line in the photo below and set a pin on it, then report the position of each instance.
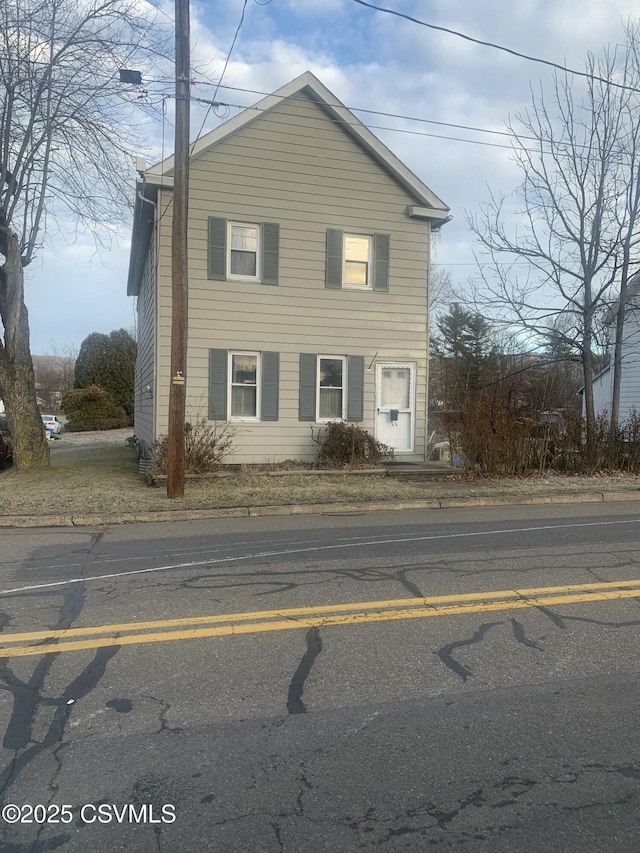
(382, 127)
(504, 133)
(235, 37)
(509, 50)
(385, 114)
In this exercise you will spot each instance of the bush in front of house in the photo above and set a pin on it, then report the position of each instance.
(342, 444)
(206, 445)
(92, 408)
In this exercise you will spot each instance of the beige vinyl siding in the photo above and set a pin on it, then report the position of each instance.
(296, 167)
(144, 371)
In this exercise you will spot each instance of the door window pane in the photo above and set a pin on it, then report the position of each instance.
(394, 391)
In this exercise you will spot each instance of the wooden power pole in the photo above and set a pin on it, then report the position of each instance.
(179, 265)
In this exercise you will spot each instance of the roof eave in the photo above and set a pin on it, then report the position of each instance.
(144, 216)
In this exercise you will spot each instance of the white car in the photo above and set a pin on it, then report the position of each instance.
(51, 424)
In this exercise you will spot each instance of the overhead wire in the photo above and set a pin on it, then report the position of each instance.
(511, 51)
(473, 128)
(235, 38)
(345, 123)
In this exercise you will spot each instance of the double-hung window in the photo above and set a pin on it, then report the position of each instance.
(243, 243)
(331, 396)
(331, 387)
(243, 385)
(243, 251)
(357, 261)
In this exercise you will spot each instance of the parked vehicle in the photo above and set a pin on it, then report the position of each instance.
(6, 448)
(51, 424)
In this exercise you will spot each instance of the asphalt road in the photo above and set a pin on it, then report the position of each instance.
(461, 680)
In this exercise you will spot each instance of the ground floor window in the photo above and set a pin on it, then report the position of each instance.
(331, 395)
(243, 385)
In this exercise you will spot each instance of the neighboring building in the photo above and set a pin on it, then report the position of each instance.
(54, 375)
(309, 246)
(630, 360)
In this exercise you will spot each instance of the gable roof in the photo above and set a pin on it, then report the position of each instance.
(309, 84)
(428, 206)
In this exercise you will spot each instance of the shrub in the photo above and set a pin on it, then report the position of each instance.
(92, 408)
(342, 444)
(206, 445)
(494, 440)
(109, 361)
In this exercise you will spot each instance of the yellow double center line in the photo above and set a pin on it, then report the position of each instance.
(293, 618)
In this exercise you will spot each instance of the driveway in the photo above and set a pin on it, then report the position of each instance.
(98, 438)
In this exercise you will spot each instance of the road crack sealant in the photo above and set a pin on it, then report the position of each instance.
(295, 705)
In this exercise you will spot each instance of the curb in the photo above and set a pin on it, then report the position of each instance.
(100, 520)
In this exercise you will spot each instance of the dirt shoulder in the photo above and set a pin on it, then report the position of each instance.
(97, 474)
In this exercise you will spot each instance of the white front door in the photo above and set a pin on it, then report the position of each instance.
(395, 405)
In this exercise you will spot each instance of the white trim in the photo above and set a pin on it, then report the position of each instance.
(413, 371)
(341, 417)
(234, 276)
(369, 282)
(243, 418)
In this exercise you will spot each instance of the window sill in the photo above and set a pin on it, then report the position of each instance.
(250, 279)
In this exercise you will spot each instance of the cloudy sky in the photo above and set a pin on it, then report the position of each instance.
(369, 60)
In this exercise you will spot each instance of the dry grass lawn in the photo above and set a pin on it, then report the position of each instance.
(89, 477)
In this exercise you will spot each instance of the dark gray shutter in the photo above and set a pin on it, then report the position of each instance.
(218, 384)
(307, 390)
(217, 264)
(270, 386)
(333, 268)
(355, 393)
(270, 250)
(381, 262)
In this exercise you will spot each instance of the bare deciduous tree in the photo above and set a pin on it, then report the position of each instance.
(571, 224)
(67, 133)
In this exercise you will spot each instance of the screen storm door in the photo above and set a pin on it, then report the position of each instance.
(395, 405)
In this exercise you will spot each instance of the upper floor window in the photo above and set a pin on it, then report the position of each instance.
(356, 261)
(243, 251)
(243, 242)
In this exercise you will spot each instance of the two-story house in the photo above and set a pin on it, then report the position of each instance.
(629, 362)
(309, 246)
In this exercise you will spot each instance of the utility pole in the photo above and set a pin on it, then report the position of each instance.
(179, 265)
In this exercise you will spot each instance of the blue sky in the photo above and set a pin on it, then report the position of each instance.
(368, 59)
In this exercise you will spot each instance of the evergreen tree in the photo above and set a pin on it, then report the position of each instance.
(109, 362)
(464, 353)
